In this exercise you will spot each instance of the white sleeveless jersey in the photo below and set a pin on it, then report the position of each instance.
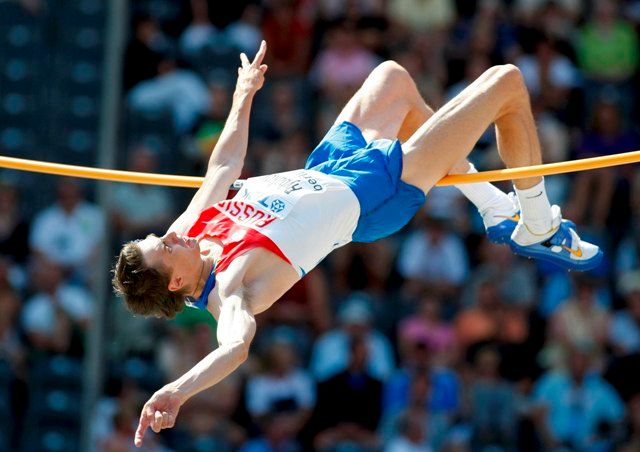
(314, 213)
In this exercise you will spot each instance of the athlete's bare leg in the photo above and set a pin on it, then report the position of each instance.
(389, 105)
(498, 96)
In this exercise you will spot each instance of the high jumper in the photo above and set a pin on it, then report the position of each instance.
(364, 181)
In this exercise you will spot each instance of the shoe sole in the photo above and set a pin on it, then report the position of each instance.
(542, 253)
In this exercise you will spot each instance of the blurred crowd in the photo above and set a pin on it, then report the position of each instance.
(433, 339)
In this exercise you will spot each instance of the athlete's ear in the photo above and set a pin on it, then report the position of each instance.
(176, 283)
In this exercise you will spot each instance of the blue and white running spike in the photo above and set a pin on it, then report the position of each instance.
(563, 247)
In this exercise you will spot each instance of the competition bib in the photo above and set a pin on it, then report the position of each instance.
(277, 194)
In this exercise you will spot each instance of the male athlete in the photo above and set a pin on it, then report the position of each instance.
(364, 181)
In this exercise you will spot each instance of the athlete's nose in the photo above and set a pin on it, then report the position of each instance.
(171, 237)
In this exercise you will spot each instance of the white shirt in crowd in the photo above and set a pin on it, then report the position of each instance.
(263, 391)
(447, 259)
(39, 315)
(68, 239)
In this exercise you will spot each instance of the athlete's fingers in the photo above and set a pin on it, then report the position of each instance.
(156, 424)
(167, 420)
(145, 420)
(263, 68)
(257, 61)
(244, 59)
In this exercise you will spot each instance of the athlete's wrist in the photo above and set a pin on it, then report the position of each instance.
(174, 388)
(243, 93)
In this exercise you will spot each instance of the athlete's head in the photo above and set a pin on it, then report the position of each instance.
(154, 275)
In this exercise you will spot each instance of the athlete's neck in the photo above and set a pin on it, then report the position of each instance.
(206, 268)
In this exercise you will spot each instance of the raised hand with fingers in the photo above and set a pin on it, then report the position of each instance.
(159, 412)
(251, 74)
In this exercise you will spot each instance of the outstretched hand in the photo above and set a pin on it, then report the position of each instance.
(159, 412)
(251, 74)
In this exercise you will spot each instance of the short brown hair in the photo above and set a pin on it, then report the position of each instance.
(145, 289)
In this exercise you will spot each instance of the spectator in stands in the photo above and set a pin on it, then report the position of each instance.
(208, 420)
(548, 74)
(12, 277)
(417, 362)
(427, 326)
(14, 229)
(515, 279)
(200, 33)
(608, 54)
(178, 90)
(304, 310)
(342, 50)
(624, 328)
(632, 441)
(418, 16)
(593, 190)
(245, 33)
(55, 317)
(489, 319)
(207, 128)
(137, 209)
(411, 429)
(284, 114)
(425, 388)
(579, 321)
(582, 409)
(289, 36)
(447, 267)
(69, 232)
(144, 51)
(349, 405)
(492, 403)
(276, 436)
(330, 354)
(283, 389)
(12, 349)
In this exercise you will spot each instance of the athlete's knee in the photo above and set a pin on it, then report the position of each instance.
(391, 71)
(507, 81)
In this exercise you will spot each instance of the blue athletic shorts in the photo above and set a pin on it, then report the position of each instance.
(372, 171)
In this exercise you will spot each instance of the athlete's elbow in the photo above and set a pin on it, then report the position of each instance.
(241, 352)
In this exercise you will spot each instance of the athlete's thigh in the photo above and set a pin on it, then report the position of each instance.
(450, 134)
(379, 107)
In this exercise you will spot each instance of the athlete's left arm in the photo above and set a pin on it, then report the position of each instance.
(227, 158)
(236, 328)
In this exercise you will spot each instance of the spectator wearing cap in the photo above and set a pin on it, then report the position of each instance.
(330, 353)
(581, 408)
(624, 329)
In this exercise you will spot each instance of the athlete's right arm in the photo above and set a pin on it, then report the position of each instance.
(236, 328)
(227, 158)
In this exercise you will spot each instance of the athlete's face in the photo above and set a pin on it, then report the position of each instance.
(179, 255)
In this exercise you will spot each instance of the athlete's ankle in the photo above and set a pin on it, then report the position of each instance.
(535, 209)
